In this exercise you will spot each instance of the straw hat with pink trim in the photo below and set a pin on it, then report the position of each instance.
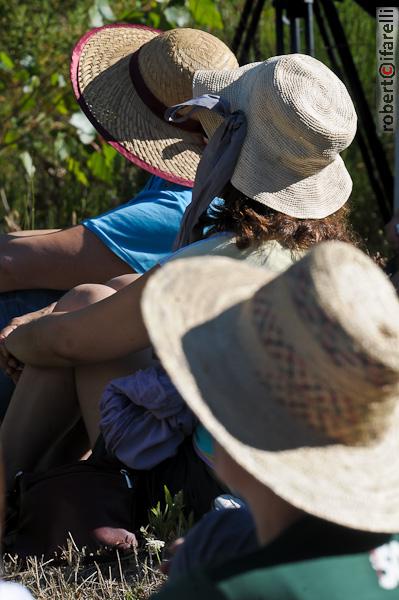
(125, 76)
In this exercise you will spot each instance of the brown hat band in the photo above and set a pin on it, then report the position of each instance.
(156, 106)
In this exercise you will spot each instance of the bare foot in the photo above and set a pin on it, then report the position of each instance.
(112, 536)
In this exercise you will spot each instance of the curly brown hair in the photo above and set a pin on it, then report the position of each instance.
(254, 223)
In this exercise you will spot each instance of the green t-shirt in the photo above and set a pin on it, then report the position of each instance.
(312, 560)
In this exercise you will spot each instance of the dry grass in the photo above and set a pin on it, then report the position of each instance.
(124, 577)
(78, 575)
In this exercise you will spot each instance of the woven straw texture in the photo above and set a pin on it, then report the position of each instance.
(297, 376)
(167, 62)
(300, 116)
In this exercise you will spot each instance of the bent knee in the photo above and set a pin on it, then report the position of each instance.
(83, 295)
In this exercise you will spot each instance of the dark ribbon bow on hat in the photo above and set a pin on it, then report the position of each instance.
(218, 161)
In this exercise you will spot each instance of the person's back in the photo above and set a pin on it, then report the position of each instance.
(36, 267)
(312, 560)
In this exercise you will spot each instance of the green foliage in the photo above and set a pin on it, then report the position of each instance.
(205, 13)
(101, 164)
(167, 520)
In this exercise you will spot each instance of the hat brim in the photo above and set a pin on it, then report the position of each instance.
(193, 312)
(104, 89)
(313, 196)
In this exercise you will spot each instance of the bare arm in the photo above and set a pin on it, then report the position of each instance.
(103, 331)
(7, 361)
(30, 232)
(26, 318)
(60, 260)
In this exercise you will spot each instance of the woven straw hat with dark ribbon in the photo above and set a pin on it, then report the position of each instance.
(296, 376)
(299, 118)
(125, 76)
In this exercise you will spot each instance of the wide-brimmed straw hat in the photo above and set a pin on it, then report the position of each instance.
(299, 117)
(296, 376)
(125, 76)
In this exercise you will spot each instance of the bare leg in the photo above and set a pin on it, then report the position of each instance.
(48, 402)
(43, 407)
(30, 233)
(91, 379)
(58, 260)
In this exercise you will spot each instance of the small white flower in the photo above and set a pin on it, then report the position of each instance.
(154, 546)
(27, 61)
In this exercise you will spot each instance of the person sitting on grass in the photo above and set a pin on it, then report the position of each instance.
(296, 377)
(291, 112)
(124, 77)
(129, 239)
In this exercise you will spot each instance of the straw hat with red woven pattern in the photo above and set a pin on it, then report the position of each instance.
(296, 376)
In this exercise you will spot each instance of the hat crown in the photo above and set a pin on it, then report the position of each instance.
(124, 75)
(329, 333)
(295, 376)
(168, 62)
(299, 117)
(302, 111)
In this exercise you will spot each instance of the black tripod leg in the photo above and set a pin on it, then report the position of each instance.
(309, 28)
(360, 138)
(243, 56)
(295, 34)
(364, 112)
(241, 26)
(279, 27)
